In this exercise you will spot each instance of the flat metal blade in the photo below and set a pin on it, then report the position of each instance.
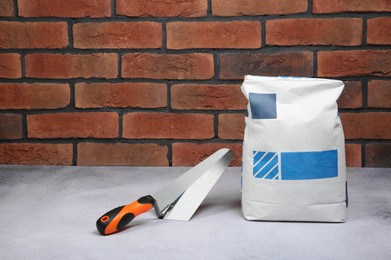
(171, 192)
(192, 198)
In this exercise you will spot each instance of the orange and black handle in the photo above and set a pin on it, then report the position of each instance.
(118, 218)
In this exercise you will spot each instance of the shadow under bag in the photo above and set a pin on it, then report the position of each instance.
(294, 165)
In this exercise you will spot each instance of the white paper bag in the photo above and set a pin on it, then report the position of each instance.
(293, 150)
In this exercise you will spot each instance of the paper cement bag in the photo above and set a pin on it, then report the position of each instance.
(293, 151)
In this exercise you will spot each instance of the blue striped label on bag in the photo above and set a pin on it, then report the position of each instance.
(295, 165)
(265, 165)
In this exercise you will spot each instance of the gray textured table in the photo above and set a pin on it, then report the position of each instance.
(50, 213)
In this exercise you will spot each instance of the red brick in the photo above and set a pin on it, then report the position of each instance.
(136, 35)
(378, 155)
(351, 96)
(143, 95)
(354, 63)
(30, 35)
(311, 31)
(64, 8)
(122, 154)
(33, 96)
(339, 6)
(168, 66)
(255, 7)
(6, 8)
(231, 35)
(369, 125)
(10, 126)
(36, 154)
(140, 125)
(207, 97)
(236, 66)
(189, 154)
(64, 66)
(231, 126)
(353, 155)
(73, 125)
(162, 8)
(10, 66)
(379, 93)
(379, 30)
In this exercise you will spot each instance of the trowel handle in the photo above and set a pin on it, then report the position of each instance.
(117, 218)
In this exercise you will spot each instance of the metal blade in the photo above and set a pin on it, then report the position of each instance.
(170, 193)
(192, 198)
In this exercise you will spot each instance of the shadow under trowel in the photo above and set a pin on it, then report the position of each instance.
(217, 206)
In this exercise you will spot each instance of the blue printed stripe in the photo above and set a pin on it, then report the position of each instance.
(273, 174)
(258, 156)
(268, 167)
(264, 160)
(265, 164)
(309, 165)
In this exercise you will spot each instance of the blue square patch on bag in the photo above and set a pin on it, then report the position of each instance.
(263, 106)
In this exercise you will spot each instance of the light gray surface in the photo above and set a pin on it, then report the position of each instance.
(50, 213)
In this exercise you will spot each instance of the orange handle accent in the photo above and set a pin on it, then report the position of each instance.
(118, 218)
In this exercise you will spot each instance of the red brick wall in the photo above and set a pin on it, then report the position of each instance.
(136, 82)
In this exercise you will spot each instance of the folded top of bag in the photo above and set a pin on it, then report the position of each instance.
(290, 90)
